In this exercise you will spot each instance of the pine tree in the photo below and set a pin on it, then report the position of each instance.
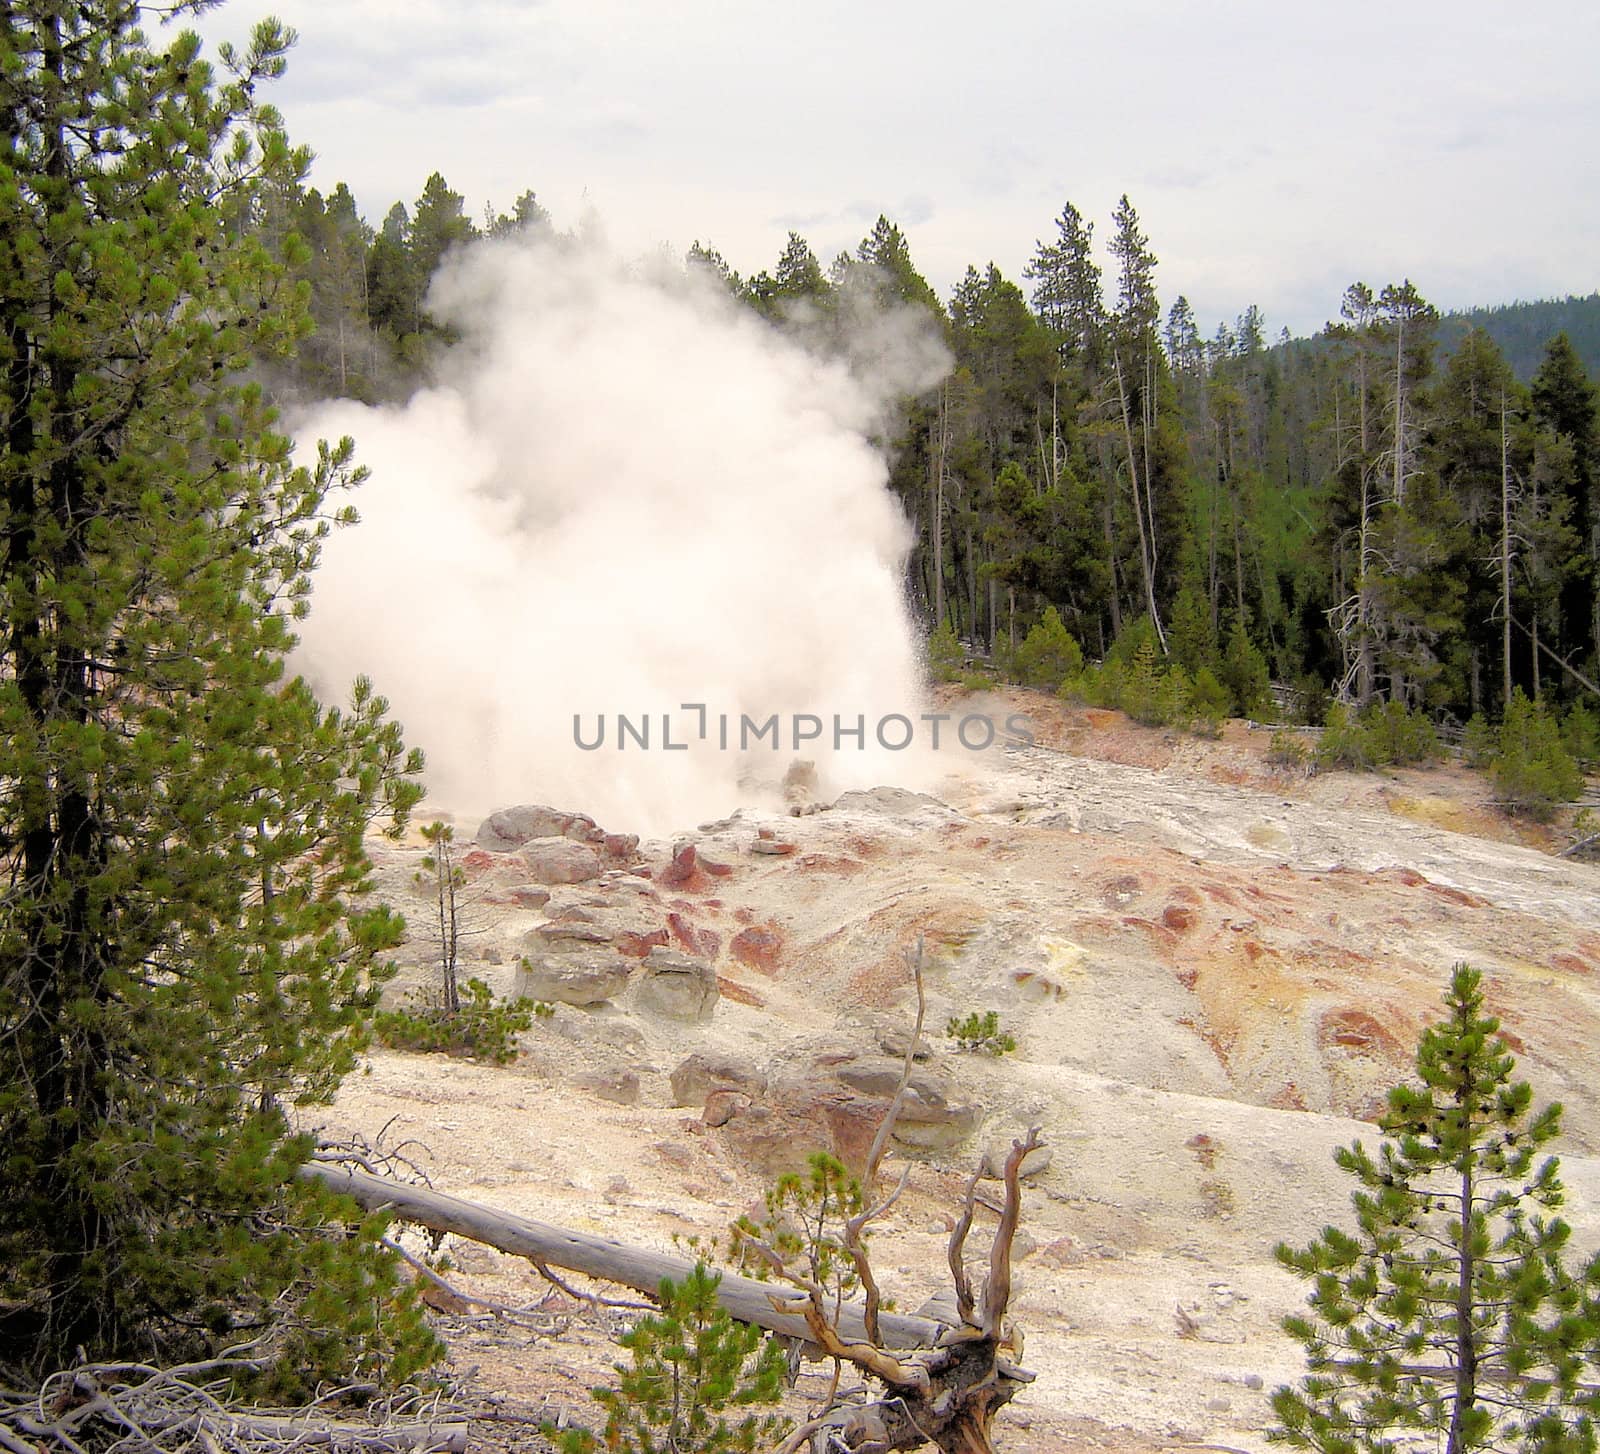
(691, 1365)
(1449, 1314)
(182, 957)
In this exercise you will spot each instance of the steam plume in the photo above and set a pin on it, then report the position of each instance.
(628, 494)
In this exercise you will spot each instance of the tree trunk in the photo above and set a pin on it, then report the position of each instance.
(1505, 549)
(1145, 563)
(636, 1267)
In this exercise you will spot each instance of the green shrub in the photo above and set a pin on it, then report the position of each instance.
(1190, 639)
(1209, 700)
(1478, 741)
(1343, 742)
(1532, 770)
(1048, 655)
(946, 659)
(1399, 736)
(1580, 732)
(1244, 673)
(1386, 734)
(980, 1033)
(977, 681)
(1286, 750)
(1133, 638)
(691, 1365)
(479, 1030)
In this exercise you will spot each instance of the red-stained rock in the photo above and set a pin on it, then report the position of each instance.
(739, 994)
(620, 845)
(704, 943)
(715, 869)
(636, 946)
(684, 872)
(1177, 918)
(759, 947)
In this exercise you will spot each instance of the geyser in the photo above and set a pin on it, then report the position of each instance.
(626, 494)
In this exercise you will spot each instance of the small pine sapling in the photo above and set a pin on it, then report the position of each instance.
(980, 1033)
(692, 1367)
(1448, 1315)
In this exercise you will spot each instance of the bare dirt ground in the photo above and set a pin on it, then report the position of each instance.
(1213, 971)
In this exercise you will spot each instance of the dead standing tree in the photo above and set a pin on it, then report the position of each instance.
(946, 1395)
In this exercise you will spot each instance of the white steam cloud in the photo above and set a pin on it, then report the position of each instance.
(629, 494)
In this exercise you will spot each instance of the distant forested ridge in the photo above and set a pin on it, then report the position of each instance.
(1521, 330)
(1400, 509)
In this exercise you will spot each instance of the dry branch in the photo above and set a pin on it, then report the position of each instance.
(639, 1268)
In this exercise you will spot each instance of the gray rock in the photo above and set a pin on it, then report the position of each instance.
(940, 1127)
(701, 1074)
(893, 1039)
(582, 977)
(621, 1087)
(994, 1160)
(892, 803)
(676, 986)
(560, 861)
(880, 1076)
(560, 935)
(510, 828)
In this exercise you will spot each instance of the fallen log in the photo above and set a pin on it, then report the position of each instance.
(745, 1299)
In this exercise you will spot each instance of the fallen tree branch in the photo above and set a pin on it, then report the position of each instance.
(639, 1268)
(102, 1407)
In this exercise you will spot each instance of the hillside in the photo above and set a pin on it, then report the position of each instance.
(1213, 972)
(1521, 330)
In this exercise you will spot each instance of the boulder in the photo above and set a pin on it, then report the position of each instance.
(510, 828)
(703, 1072)
(926, 1127)
(621, 1087)
(676, 986)
(876, 1075)
(994, 1160)
(568, 932)
(723, 1105)
(580, 977)
(560, 861)
(893, 1039)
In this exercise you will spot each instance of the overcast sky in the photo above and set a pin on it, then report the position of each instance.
(1276, 151)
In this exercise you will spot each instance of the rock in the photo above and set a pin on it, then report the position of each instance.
(1252, 1381)
(702, 943)
(892, 803)
(704, 1072)
(512, 827)
(527, 896)
(684, 872)
(636, 945)
(775, 847)
(620, 845)
(560, 861)
(677, 986)
(934, 1128)
(1035, 1162)
(618, 1086)
(758, 947)
(580, 977)
(893, 1039)
(723, 1105)
(876, 1075)
(779, 1133)
(565, 933)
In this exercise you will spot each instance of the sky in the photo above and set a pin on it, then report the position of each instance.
(1276, 152)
